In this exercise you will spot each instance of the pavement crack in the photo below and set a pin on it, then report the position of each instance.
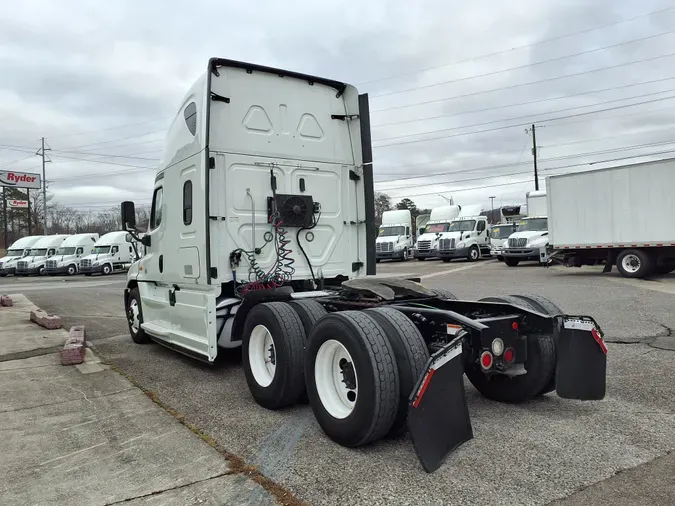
(158, 492)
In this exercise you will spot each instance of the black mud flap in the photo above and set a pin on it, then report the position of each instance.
(438, 416)
(581, 369)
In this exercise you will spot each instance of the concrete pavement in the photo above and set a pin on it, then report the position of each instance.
(84, 435)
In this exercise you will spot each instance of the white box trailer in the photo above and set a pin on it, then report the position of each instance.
(262, 237)
(617, 216)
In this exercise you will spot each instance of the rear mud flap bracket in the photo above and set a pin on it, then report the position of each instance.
(438, 415)
(581, 368)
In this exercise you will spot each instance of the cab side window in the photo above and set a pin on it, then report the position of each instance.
(407, 230)
(51, 252)
(187, 203)
(156, 213)
(79, 251)
(115, 249)
(481, 226)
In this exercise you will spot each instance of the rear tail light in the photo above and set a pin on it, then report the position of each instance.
(509, 355)
(486, 360)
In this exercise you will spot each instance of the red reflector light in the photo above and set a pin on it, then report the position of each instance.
(514, 325)
(486, 360)
(509, 355)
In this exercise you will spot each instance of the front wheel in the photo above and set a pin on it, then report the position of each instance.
(474, 254)
(42, 271)
(135, 318)
(404, 257)
(421, 259)
(511, 262)
(105, 270)
(71, 270)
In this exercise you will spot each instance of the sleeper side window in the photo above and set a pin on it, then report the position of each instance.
(156, 213)
(187, 203)
(190, 114)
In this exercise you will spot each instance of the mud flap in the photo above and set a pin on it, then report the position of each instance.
(438, 416)
(581, 353)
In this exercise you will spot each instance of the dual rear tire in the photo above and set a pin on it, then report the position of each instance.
(358, 368)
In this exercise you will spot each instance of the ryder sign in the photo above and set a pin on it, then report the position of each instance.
(20, 179)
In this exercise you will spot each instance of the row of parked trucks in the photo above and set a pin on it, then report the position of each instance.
(69, 254)
(618, 216)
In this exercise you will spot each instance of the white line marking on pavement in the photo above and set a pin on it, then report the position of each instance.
(450, 271)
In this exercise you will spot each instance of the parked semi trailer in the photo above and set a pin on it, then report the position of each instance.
(266, 243)
(616, 216)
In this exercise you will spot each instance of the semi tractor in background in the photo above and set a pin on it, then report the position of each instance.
(36, 261)
(250, 246)
(66, 260)
(439, 222)
(530, 240)
(467, 236)
(18, 250)
(394, 239)
(113, 252)
(499, 236)
(615, 216)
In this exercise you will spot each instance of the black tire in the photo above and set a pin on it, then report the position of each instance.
(500, 258)
(421, 259)
(546, 306)
(3, 274)
(511, 262)
(446, 259)
(473, 254)
(139, 337)
(87, 273)
(664, 269)
(105, 270)
(288, 334)
(646, 266)
(540, 363)
(310, 312)
(376, 404)
(411, 354)
(377, 260)
(404, 256)
(42, 271)
(72, 270)
(444, 294)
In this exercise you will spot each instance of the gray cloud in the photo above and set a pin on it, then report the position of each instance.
(87, 67)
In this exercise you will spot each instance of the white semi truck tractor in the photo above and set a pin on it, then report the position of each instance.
(467, 236)
(439, 222)
(394, 239)
(18, 250)
(620, 216)
(262, 242)
(530, 240)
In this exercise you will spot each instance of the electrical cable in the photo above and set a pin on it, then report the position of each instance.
(302, 249)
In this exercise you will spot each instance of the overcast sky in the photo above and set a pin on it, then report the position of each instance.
(453, 85)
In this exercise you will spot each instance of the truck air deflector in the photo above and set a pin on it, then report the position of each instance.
(438, 415)
(581, 360)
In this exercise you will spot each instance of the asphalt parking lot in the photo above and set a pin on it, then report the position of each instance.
(533, 453)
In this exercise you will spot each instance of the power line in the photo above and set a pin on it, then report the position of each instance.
(529, 116)
(105, 155)
(546, 120)
(505, 165)
(489, 109)
(117, 139)
(60, 136)
(503, 51)
(520, 67)
(513, 86)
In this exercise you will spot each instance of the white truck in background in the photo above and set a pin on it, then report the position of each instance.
(466, 237)
(439, 222)
(18, 250)
(394, 240)
(36, 261)
(499, 236)
(619, 216)
(111, 253)
(66, 260)
(530, 239)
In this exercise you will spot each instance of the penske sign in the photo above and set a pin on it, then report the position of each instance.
(20, 179)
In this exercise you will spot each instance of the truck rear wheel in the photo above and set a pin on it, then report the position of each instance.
(540, 366)
(411, 354)
(310, 312)
(444, 294)
(634, 263)
(272, 348)
(352, 378)
(511, 262)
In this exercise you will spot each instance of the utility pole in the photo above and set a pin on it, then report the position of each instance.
(492, 213)
(44, 184)
(534, 155)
